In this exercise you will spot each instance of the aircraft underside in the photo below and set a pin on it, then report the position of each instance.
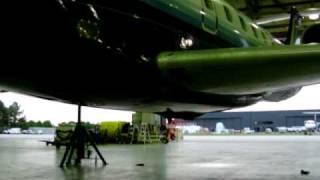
(111, 64)
(109, 89)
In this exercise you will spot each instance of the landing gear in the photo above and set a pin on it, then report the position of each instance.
(78, 141)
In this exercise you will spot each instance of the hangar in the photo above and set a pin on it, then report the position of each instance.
(174, 53)
(272, 15)
(256, 120)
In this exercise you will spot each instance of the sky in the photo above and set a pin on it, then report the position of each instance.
(56, 112)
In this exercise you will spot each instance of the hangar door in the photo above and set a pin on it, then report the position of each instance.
(295, 121)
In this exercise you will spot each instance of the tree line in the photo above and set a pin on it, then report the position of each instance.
(13, 116)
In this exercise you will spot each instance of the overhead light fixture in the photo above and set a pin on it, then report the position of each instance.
(314, 16)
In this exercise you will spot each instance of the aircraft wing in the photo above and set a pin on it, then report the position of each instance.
(242, 71)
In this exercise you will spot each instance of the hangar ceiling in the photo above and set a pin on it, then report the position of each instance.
(273, 14)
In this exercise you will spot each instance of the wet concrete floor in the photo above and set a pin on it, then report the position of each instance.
(201, 158)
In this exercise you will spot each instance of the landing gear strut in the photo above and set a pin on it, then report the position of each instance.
(78, 141)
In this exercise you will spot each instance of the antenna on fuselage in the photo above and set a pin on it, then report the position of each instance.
(295, 20)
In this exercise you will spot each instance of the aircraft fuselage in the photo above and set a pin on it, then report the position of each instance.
(103, 53)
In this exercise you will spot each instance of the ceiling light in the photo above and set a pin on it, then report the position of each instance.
(314, 16)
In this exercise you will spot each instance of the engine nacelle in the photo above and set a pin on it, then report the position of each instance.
(281, 95)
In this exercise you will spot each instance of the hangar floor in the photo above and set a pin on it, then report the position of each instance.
(201, 158)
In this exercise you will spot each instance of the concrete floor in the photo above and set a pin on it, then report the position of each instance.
(201, 158)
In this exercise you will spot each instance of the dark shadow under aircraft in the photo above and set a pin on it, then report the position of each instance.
(178, 58)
